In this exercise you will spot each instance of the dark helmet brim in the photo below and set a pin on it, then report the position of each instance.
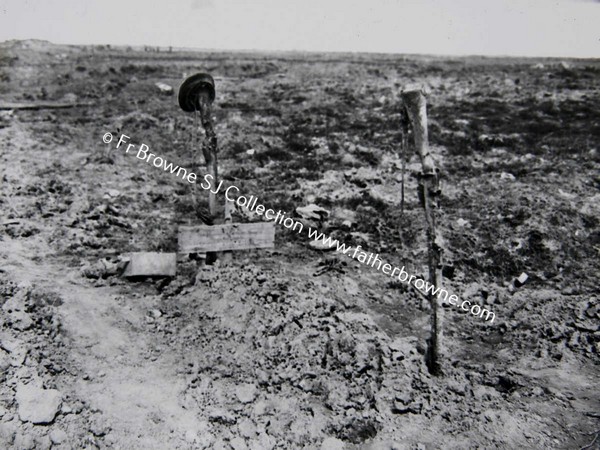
(191, 88)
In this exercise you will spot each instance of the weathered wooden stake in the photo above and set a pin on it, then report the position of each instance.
(416, 108)
(209, 148)
(404, 124)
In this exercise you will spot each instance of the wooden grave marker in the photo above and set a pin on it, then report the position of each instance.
(230, 236)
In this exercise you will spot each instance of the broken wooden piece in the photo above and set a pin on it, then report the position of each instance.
(416, 108)
(41, 105)
(151, 264)
(218, 238)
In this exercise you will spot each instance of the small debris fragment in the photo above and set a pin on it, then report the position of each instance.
(313, 212)
(520, 281)
(37, 405)
(155, 313)
(246, 392)
(58, 436)
(112, 193)
(332, 443)
(320, 245)
(164, 88)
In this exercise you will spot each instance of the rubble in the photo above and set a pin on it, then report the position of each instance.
(37, 405)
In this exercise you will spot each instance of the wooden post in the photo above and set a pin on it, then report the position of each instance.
(416, 108)
(227, 255)
(209, 147)
(404, 125)
(209, 150)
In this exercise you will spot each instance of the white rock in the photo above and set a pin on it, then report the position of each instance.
(58, 436)
(320, 245)
(164, 88)
(245, 392)
(191, 436)
(37, 405)
(312, 211)
(332, 443)
(238, 443)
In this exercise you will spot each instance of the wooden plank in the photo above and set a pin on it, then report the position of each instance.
(218, 238)
(150, 264)
(42, 105)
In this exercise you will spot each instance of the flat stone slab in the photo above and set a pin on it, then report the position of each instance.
(37, 405)
(151, 264)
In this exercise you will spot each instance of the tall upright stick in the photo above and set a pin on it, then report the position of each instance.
(209, 148)
(404, 125)
(416, 108)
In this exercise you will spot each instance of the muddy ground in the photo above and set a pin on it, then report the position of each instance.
(294, 347)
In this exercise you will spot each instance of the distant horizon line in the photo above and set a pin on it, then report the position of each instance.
(295, 51)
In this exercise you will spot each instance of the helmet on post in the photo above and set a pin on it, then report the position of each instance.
(191, 90)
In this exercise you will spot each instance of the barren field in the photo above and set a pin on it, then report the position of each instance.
(295, 347)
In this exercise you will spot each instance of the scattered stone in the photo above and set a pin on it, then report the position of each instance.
(537, 391)
(43, 443)
(564, 65)
(332, 443)
(206, 274)
(24, 442)
(404, 398)
(4, 364)
(320, 245)
(37, 405)
(156, 313)
(113, 193)
(164, 88)
(246, 392)
(520, 281)
(99, 428)
(351, 286)
(191, 436)
(7, 434)
(238, 443)
(313, 212)
(363, 176)
(264, 442)
(20, 320)
(247, 428)
(14, 307)
(58, 436)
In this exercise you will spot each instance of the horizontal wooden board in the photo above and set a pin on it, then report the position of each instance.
(150, 264)
(231, 236)
(41, 105)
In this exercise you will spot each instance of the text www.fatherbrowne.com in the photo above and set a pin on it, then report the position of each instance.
(425, 287)
(251, 204)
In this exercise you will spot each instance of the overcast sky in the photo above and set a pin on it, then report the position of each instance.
(454, 27)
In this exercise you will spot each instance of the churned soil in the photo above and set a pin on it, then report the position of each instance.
(294, 347)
